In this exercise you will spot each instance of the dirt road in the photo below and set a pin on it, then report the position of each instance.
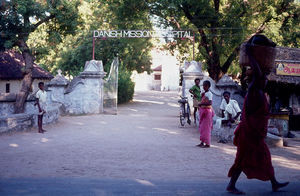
(144, 141)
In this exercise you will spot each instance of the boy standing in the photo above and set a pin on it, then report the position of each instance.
(41, 98)
(196, 92)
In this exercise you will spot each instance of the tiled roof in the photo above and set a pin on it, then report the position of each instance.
(158, 68)
(11, 64)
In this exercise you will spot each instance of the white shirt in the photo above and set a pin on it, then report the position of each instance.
(223, 104)
(231, 108)
(209, 95)
(42, 96)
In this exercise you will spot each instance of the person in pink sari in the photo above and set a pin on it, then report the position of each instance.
(206, 116)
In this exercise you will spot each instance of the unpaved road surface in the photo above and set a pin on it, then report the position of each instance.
(143, 142)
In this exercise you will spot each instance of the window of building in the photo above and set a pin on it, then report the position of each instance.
(157, 77)
(7, 88)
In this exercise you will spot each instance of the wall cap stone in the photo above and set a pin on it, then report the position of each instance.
(226, 81)
(58, 80)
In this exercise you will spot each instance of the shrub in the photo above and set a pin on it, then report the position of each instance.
(125, 87)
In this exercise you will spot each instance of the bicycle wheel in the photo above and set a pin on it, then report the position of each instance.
(181, 115)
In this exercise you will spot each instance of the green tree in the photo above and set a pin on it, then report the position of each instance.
(20, 18)
(71, 55)
(222, 25)
(125, 86)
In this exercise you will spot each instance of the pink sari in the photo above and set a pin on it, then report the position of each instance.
(205, 124)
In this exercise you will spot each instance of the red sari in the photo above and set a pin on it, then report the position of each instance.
(253, 156)
(206, 114)
(205, 124)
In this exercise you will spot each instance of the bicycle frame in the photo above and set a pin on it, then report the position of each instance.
(184, 111)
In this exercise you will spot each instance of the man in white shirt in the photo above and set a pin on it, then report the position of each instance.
(230, 109)
(41, 102)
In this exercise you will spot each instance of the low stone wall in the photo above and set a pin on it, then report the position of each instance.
(7, 104)
(51, 116)
(23, 121)
(274, 140)
(7, 108)
(16, 122)
(225, 133)
(279, 126)
(83, 95)
(19, 122)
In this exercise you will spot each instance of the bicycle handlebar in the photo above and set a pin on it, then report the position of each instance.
(185, 97)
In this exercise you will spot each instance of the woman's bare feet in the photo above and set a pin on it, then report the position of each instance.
(276, 186)
(235, 191)
(200, 145)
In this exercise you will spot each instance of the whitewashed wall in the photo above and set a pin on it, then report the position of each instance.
(143, 81)
(16, 84)
(170, 74)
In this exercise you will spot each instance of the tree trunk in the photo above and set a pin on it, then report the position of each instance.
(212, 57)
(214, 71)
(27, 80)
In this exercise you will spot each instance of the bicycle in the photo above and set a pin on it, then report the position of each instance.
(185, 111)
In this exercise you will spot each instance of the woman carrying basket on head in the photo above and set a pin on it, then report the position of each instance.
(253, 156)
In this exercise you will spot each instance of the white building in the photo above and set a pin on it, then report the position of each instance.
(164, 76)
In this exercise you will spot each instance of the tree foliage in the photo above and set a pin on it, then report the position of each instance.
(222, 25)
(20, 18)
(71, 54)
(125, 86)
(58, 34)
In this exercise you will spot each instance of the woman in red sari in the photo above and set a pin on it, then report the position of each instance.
(253, 156)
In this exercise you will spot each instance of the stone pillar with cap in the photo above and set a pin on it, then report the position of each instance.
(192, 70)
(56, 88)
(84, 95)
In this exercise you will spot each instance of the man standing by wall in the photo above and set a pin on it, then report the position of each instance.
(196, 92)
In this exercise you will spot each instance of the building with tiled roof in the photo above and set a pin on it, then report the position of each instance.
(11, 65)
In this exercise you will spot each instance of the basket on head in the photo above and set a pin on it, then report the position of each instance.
(263, 52)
